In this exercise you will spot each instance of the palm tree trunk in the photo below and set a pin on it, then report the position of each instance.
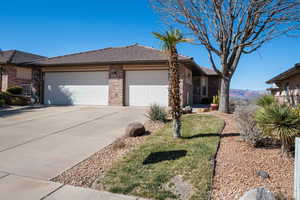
(174, 91)
(176, 128)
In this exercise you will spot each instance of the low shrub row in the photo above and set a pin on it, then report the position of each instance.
(16, 90)
(7, 98)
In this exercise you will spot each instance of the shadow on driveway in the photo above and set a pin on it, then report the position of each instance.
(10, 111)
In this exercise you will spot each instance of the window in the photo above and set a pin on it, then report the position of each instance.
(24, 73)
(204, 86)
(27, 89)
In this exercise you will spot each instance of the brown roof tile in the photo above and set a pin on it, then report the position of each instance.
(128, 54)
(17, 57)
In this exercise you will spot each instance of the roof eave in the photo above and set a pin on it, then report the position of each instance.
(287, 73)
(107, 63)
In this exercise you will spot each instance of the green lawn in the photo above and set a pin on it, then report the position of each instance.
(142, 175)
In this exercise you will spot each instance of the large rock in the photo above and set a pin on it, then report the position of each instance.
(259, 193)
(135, 129)
(262, 174)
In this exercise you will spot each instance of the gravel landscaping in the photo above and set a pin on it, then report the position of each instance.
(167, 168)
(85, 172)
(239, 167)
(238, 164)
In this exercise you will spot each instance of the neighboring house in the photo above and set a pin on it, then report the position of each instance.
(122, 76)
(287, 86)
(14, 73)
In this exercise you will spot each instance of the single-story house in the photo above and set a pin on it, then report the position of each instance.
(12, 71)
(287, 86)
(122, 76)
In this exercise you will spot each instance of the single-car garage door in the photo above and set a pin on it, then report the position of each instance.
(144, 88)
(76, 88)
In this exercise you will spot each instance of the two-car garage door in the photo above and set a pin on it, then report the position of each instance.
(142, 88)
(76, 88)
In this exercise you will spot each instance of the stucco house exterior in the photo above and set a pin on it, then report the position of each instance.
(121, 76)
(287, 86)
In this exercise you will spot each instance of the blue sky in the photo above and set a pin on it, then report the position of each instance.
(57, 27)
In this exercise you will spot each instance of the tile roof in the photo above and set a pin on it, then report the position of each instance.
(129, 54)
(17, 57)
(114, 55)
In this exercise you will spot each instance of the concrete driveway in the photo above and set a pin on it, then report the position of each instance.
(43, 142)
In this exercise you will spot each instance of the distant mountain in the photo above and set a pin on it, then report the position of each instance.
(246, 94)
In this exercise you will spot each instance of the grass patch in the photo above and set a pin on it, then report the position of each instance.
(143, 171)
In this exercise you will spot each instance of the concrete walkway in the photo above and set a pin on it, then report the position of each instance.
(37, 144)
(22, 188)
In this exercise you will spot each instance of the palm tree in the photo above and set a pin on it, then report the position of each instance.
(169, 40)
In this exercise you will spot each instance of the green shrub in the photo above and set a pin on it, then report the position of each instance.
(265, 100)
(279, 122)
(16, 90)
(5, 96)
(18, 101)
(11, 99)
(157, 113)
(2, 102)
(297, 110)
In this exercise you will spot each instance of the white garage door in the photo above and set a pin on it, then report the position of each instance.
(144, 88)
(76, 88)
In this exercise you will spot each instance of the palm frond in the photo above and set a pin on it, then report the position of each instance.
(171, 38)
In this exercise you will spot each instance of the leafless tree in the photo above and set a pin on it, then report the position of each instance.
(230, 28)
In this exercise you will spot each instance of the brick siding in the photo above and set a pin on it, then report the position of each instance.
(116, 86)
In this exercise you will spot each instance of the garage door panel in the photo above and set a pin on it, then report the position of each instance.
(76, 88)
(144, 88)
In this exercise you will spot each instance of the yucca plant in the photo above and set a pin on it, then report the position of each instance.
(265, 100)
(279, 122)
(157, 113)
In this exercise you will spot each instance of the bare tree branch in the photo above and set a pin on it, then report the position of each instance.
(231, 28)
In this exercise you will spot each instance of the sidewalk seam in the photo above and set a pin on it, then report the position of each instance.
(49, 194)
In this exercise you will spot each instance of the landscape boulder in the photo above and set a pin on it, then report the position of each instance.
(259, 193)
(262, 174)
(135, 129)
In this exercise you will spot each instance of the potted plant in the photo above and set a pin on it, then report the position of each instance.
(215, 103)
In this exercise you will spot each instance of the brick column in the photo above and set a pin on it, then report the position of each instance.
(116, 85)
